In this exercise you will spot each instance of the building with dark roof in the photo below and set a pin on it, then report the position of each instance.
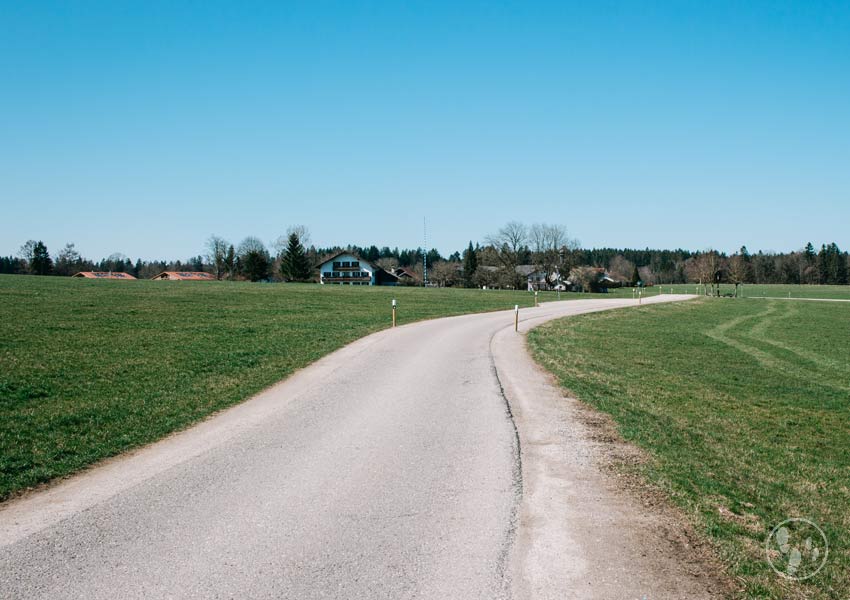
(346, 268)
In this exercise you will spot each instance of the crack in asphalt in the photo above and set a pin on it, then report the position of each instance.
(516, 479)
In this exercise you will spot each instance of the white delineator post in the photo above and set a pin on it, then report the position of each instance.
(516, 317)
(394, 305)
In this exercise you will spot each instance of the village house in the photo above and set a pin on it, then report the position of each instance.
(345, 268)
(537, 279)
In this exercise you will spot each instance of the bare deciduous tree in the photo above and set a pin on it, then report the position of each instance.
(647, 276)
(388, 263)
(587, 278)
(550, 245)
(250, 244)
(68, 260)
(739, 270)
(217, 254)
(445, 273)
(707, 268)
(620, 268)
(509, 242)
(282, 242)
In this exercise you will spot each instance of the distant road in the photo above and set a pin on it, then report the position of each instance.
(389, 469)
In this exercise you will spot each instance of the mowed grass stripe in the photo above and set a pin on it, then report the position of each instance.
(89, 369)
(741, 435)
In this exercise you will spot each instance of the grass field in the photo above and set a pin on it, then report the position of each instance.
(89, 369)
(744, 408)
(832, 292)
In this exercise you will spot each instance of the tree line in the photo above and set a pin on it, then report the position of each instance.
(504, 259)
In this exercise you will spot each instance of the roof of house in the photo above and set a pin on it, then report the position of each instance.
(350, 253)
(103, 275)
(525, 269)
(185, 276)
(403, 272)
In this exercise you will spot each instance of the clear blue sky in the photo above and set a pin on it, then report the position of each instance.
(144, 127)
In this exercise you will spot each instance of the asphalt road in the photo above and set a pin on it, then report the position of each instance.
(389, 469)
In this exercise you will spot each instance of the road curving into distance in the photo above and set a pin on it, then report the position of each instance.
(388, 469)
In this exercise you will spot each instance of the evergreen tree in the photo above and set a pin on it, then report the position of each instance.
(809, 253)
(294, 266)
(635, 277)
(372, 253)
(40, 262)
(824, 264)
(255, 265)
(470, 265)
(837, 266)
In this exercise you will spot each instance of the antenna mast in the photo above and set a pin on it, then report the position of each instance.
(425, 253)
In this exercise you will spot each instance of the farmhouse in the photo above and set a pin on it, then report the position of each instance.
(184, 276)
(103, 275)
(538, 279)
(345, 268)
(404, 274)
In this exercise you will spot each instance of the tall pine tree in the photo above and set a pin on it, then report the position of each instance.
(470, 265)
(635, 277)
(294, 266)
(40, 262)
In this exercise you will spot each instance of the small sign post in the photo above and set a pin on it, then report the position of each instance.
(394, 305)
(516, 317)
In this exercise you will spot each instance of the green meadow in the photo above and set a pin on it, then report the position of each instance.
(743, 407)
(89, 369)
(830, 292)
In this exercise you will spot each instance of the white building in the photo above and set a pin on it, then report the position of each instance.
(345, 268)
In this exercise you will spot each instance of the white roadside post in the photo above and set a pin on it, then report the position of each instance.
(535, 297)
(640, 296)
(516, 317)
(394, 305)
